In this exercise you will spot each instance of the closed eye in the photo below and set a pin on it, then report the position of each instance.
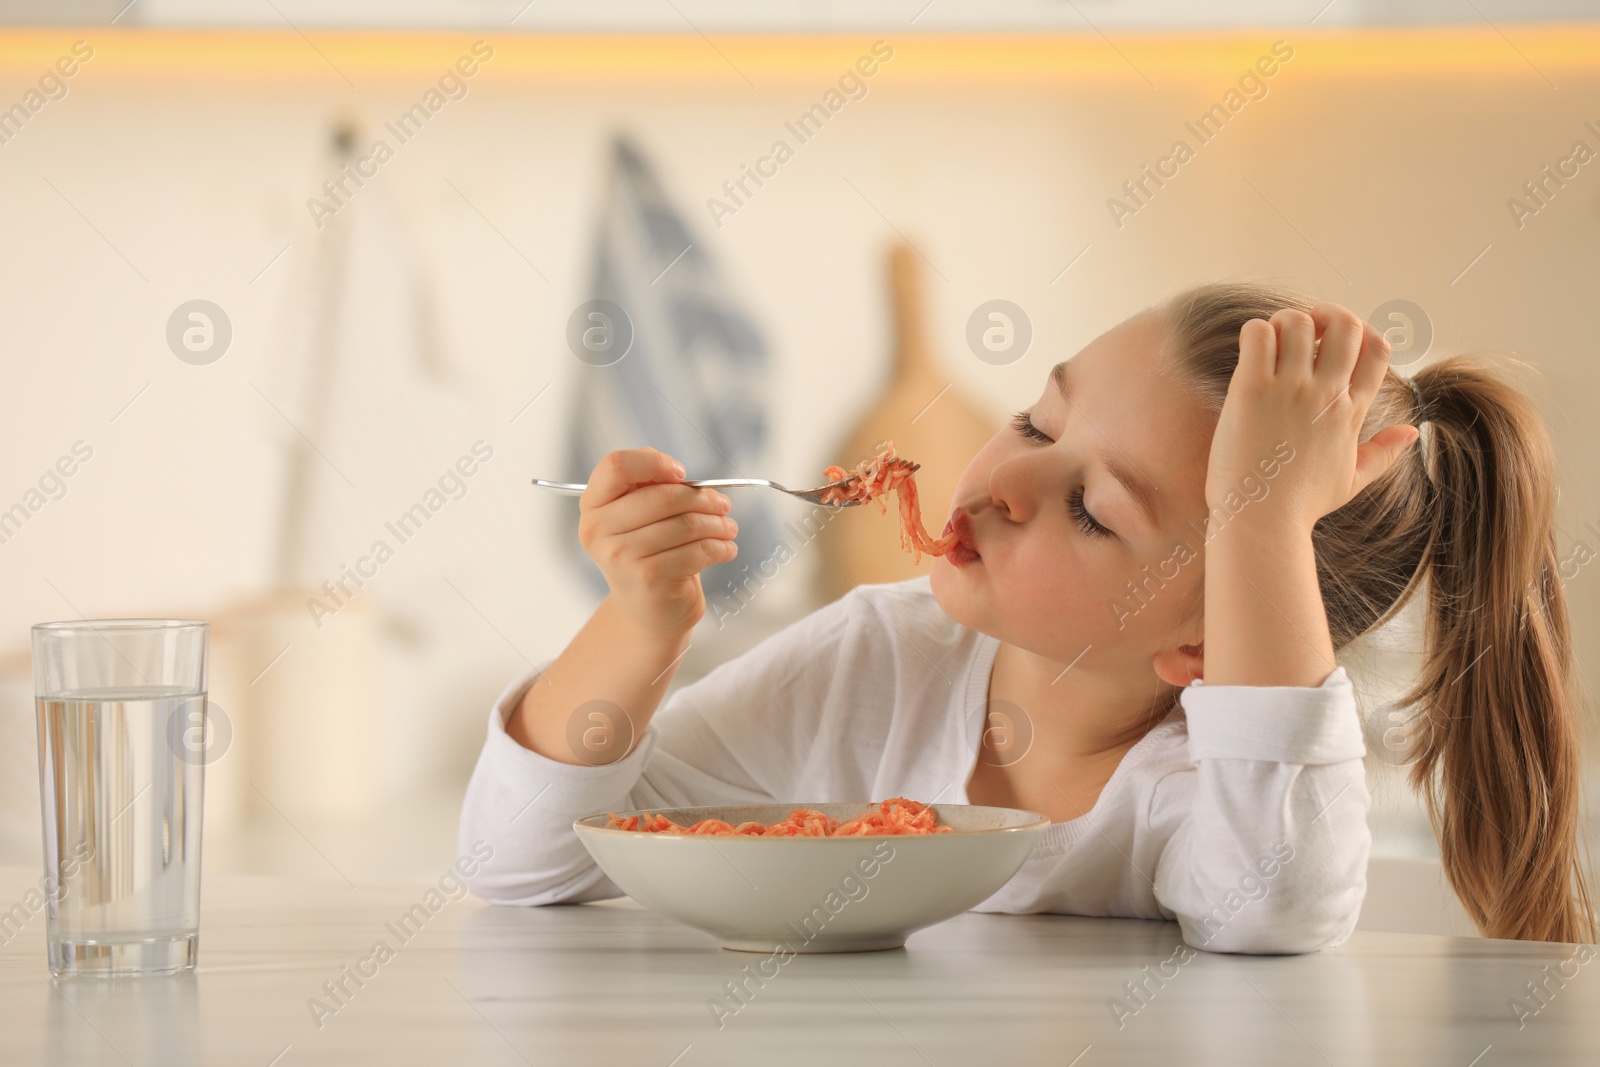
(1022, 422)
(1080, 515)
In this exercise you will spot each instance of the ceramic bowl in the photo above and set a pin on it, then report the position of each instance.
(813, 894)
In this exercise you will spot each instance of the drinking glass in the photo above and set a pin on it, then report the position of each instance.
(120, 704)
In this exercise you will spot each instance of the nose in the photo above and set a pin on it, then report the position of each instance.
(1013, 487)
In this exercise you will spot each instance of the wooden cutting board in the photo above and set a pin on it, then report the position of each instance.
(938, 427)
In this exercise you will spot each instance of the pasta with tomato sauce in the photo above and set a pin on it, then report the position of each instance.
(895, 816)
(872, 480)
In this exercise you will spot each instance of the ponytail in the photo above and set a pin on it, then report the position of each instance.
(1498, 761)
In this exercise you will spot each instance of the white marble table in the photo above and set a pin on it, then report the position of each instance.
(613, 984)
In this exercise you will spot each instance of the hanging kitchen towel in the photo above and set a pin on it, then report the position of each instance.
(681, 368)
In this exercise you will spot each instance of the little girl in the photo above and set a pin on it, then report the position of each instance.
(1160, 560)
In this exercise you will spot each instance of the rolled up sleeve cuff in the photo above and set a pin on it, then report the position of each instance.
(1281, 724)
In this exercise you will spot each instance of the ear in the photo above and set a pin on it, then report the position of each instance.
(1180, 666)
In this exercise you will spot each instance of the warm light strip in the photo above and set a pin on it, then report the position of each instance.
(367, 58)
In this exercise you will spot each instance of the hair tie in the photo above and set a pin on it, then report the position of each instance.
(1417, 403)
(1423, 424)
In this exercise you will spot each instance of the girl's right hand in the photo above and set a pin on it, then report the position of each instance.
(652, 536)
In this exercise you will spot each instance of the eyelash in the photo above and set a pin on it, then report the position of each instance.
(1022, 422)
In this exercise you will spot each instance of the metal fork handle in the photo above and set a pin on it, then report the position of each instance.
(699, 483)
(734, 483)
(811, 496)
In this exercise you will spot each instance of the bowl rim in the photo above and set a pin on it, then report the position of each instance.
(1038, 822)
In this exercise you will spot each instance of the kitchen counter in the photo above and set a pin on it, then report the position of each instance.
(611, 983)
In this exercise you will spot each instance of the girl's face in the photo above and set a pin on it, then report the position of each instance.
(1058, 534)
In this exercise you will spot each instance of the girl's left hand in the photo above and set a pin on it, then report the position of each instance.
(1287, 389)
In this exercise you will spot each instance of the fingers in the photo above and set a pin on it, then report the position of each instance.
(622, 471)
(653, 503)
(676, 531)
(1341, 331)
(636, 509)
(1371, 366)
(689, 559)
(1297, 341)
(1331, 343)
(1258, 351)
(1380, 451)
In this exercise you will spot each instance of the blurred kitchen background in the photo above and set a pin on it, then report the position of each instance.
(263, 346)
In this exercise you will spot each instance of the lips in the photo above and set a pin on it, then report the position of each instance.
(965, 550)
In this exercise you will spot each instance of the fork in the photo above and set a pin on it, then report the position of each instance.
(811, 496)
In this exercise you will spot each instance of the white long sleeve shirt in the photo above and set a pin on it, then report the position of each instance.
(1242, 815)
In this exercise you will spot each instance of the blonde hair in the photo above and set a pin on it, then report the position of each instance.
(1467, 513)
